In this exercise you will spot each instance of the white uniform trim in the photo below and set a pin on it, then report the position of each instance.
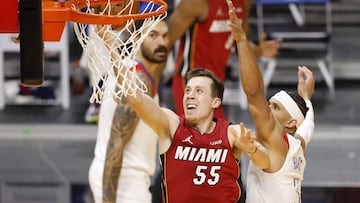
(282, 186)
(306, 129)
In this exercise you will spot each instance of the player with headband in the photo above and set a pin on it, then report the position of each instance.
(304, 125)
(283, 126)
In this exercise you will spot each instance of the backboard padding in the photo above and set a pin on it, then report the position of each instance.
(31, 44)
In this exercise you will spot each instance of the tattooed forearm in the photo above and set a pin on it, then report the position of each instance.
(123, 126)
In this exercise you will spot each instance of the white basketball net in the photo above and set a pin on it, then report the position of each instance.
(98, 51)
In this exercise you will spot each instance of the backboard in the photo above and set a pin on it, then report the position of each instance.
(25, 18)
(38, 21)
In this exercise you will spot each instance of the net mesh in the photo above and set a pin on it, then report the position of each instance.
(128, 36)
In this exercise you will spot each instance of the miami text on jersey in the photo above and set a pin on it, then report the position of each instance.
(200, 154)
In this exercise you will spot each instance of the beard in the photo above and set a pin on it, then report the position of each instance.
(153, 56)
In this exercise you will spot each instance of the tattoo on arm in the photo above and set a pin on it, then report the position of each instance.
(123, 126)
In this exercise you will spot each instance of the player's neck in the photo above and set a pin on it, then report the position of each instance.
(206, 127)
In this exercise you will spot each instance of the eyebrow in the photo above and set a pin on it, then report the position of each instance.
(194, 87)
(153, 31)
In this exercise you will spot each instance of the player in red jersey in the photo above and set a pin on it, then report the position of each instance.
(200, 162)
(206, 41)
(201, 26)
(199, 151)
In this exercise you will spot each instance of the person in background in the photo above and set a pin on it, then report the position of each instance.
(205, 40)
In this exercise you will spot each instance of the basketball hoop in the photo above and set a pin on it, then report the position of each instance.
(120, 18)
(72, 11)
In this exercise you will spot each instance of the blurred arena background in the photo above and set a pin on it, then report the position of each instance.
(46, 146)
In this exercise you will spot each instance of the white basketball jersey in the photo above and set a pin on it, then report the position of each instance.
(139, 153)
(283, 186)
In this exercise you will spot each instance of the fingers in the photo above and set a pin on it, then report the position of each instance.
(276, 41)
(305, 69)
(269, 48)
(242, 128)
(232, 14)
(245, 132)
(306, 82)
(304, 73)
(248, 135)
(263, 36)
(235, 23)
(231, 9)
(307, 72)
(300, 74)
(230, 4)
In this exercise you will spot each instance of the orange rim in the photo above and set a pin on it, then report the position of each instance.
(63, 11)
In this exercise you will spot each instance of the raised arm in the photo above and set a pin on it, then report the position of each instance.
(251, 79)
(162, 121)
(123, 125)
(151, 113)
(306, 88)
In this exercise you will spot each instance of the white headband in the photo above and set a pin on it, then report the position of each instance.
(290, 106)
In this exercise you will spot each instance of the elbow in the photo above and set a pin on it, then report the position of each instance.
(254, 92)
(253, 88)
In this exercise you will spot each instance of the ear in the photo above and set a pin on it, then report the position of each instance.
(291, 123)
(216, 102)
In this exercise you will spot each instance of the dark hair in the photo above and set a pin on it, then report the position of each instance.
(299, 101)
(217, 87)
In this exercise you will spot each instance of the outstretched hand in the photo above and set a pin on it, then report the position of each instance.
(269, 48)
(255, 150)
(247, 141)
(235, 23)
(306, 83)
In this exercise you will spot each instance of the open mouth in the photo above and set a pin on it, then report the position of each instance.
(190, 107)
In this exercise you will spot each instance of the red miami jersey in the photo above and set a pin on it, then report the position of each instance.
(200, 168)
(207, 45)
